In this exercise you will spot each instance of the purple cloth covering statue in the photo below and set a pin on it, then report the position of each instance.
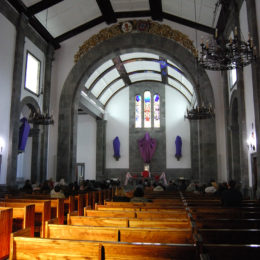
(23, 134)
(147, 146)
(116, 145)
(178, 144)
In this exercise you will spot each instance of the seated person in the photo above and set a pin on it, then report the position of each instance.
(231, 197)
(139, 196)
(57, 192)
(158, 187)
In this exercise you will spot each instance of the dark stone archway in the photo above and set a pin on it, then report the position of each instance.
(130, 42)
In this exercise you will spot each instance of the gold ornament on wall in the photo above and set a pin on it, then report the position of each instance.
(135, 26)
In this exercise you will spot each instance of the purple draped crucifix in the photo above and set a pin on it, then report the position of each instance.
(116, 145)
(147, 146)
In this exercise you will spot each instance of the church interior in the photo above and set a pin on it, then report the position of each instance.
(129, 129)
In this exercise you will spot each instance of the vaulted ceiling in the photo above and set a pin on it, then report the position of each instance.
(59, 20)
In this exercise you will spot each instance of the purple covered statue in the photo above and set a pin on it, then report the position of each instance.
(147, 146)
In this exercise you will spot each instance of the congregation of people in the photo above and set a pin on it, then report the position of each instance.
(229, 193)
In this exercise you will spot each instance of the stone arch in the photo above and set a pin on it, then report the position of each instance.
(123, 43)
(36, 138)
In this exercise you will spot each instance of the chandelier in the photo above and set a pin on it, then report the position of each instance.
(41, 119)
(197, 113)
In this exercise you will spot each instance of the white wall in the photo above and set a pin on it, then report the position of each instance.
(7, 50)
(248, 85)
(86, 144)
(175, 107)
(117, 116)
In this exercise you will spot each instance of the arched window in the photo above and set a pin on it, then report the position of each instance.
(147, 109)
(156, 111)
(138, 111)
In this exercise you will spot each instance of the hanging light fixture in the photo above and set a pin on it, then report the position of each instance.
(201, 111)
(220, 55)
(41, 119)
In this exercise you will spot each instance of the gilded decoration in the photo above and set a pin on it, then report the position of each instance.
(137, 26)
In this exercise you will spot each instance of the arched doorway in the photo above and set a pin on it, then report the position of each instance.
(74, 84)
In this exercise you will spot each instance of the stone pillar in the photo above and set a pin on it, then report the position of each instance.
(101, 149)
(194, 143)
(252, 26)
(46, 103)
(15, 102)
(35, 164)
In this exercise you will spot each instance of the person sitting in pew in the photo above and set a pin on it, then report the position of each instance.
(231, 197)
(139, 196)
(57, 192)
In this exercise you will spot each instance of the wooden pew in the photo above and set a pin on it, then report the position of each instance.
(228, 251)
(148, 235)
(126, 222)
(109, 213)
(6, 220)
(159, 223)
(132, 251)
(228, 223)
(53, 230)
(97, 222)
(136, 214)
(23, 247)
(79, 202)
(57, 205)
(23, 215)
(229, 236)
(42, 211)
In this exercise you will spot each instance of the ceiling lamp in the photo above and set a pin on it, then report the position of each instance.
(41, 119)
(226, 55)
(198, 113)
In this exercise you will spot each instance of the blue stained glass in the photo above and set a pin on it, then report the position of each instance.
(138, 111)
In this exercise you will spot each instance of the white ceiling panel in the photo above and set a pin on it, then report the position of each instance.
(145, 76)
(130, 5)
(30, 2)
(68, 15)
(142, 65)
(185, 9)
(109, 92)
(104, 81)
(136, 55)
(98, 72)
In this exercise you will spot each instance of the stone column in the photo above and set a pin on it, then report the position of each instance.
(194, 143)
(15, 102)
(101, 149)
(46, 103)
(252, 26)
(35, 164)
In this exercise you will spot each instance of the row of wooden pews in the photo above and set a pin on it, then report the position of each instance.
(225, 233)
(31, 211)
(129, 231)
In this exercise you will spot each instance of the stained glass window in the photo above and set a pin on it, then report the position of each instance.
(138, 111)
(156, 111)
(147, 109)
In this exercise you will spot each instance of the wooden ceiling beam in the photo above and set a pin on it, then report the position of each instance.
(156, 9)
(107, 11)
